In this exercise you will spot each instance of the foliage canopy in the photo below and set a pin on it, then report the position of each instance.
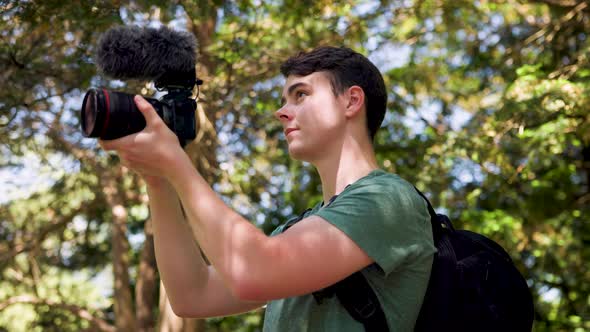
(489, 113)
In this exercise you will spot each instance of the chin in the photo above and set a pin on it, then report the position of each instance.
(297, 153)
(306, 155)
(296, 156)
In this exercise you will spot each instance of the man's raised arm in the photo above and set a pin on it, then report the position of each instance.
(194, 289)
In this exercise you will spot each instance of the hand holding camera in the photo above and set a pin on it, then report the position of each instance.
(163, 55)
(153, 150)
(145, 132)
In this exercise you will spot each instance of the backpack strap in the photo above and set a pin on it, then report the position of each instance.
(438, 224)
(295, 220)
(360, 301)
(435, 312)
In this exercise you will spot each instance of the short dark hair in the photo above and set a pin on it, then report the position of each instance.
(345, 68)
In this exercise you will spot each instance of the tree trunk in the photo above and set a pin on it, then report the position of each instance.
(146, 283)
(124, 315)
(123, 302)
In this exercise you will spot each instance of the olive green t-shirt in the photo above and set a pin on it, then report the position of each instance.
(384, 216)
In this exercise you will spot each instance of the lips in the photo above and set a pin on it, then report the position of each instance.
(289, 130)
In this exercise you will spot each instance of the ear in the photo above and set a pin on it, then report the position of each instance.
(355, 102)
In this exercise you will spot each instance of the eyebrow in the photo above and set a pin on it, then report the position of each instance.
(291, 89)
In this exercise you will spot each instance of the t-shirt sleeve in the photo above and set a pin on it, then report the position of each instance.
(386, 219)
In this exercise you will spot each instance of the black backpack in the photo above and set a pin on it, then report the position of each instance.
(474, 286)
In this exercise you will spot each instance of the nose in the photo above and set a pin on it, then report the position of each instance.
(284, 114)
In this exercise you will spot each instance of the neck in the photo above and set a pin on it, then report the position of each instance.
(346, 165)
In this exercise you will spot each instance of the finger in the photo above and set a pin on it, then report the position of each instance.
(148, 111)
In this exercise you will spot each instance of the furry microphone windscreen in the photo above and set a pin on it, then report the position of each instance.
(145, 53)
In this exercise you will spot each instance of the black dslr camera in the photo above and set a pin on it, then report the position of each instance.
(162, 55)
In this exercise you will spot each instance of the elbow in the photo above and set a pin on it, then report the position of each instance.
(181, 310)
(187, 311)
(185, 307)
(250, 274)
(250, 289)
(251, 277)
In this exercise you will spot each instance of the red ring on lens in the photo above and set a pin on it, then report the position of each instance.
(108, 112)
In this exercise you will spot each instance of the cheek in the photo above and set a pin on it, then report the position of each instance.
(321, 115)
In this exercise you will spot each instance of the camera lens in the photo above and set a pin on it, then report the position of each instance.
(109, 115)
(89, 113)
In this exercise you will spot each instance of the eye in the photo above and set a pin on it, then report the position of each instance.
(300, 94)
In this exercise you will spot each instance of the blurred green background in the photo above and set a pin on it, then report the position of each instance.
(489, 113)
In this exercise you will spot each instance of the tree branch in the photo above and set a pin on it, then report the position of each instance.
(80, 312)
(561, 3)
(554, 27)
(29, 241)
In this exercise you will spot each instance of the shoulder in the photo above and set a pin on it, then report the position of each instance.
(385, 216)
(379, 199)
(380, 188)
(380, 182)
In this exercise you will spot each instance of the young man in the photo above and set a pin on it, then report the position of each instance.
(333, 103)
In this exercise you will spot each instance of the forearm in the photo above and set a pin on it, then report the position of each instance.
(232, 244)
(179, 259)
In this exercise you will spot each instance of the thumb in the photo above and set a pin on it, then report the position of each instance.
(148, 111)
